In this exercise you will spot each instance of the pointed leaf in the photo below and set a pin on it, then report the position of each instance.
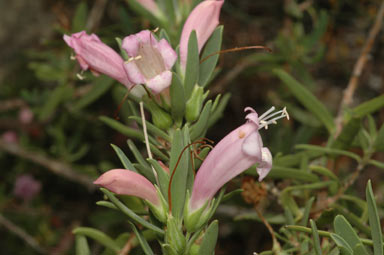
(143, 242)
(345, 230)
(316, 238)
(200, 127)
(192, 66)
(99, 236)
(369, 107)
(208, 244)
(213, 45)
(133, 216)
(82, 247)
(307, 99)
(342, 244)
(177, 98)
(124, 160)
(374, 221)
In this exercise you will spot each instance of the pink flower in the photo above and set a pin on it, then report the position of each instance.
(150, 60)
(25, 115)
(126, 182)
(93, 54)
(10, 137)
(204, 18)
(26, 187)
(235, 153)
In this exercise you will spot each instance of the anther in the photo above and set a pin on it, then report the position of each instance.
(81, 77)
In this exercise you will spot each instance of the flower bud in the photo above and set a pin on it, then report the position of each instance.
(174, 235)
(160, 118)
(194, 104)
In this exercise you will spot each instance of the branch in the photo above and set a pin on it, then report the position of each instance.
(22, 234)
(55, 166)
(358, 69)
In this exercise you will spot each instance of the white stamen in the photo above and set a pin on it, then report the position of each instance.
(80, 76)
(155, 30)
(137, 57)
(72, 57)
(265, 119)
(267, 112)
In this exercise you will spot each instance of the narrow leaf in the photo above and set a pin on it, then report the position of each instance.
(342, 244)
(374, 221)
(369, 107)
(316, 238)
(200, 127)
(307, 99)
(177, 98)
(99, 236)
(208, 244)
(143, 242)
(124, 160)
(82, 247)
(192, 66)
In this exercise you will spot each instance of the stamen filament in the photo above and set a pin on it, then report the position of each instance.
(266, 113)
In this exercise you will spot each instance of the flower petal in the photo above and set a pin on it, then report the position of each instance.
(265, 166)
(126, 182)
(160, 82)
(168, 54)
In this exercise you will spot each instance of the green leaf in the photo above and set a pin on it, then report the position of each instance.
(369, 107)
(107, 204)
(162, 176)
(99, 236)
(219, 110)
(133, 216)
(307, 99)
(124, 160)
(379, 144)
(348, 134)
(192, 65)
(143, 242)
(151, 128)
(208, 244)
(79, 21)
(56, 97)
(360, 249)
(179, 163)
(316, 238)
(213, 45)
(177, 98)
(157, 21)
(278, 172)
(123, 129)
(308, 206)
(145, 169)
(345, 230)
(99, 88)
(330, 151)
(82, 247)
(200, 127)
(374, 221)
(342, 244)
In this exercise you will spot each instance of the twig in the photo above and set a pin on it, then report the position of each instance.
(22, 234)
(358, 68)
(11, 104)
(128, 245)
(146, 138)
(55, 166)
(96, 14)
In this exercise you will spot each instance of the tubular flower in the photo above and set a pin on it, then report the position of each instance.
(204, 18)
(150, 60)
(126, 182)
(93, 54)
(235, 153)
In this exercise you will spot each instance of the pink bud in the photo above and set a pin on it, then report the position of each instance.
(235, 153)
(93, 54)
(150, 60)
(204, 18)
(126, 182)
(10, 137)
(25, 115)
(26, 187)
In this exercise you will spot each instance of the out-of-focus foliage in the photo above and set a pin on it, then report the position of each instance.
(315, 199)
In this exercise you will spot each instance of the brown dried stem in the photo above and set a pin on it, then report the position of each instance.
(358, 69)
(55, 166)
(21, 234)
